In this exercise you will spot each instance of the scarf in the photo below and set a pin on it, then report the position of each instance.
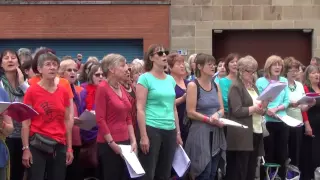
(91, 92)
(11, 91)
(76, 98)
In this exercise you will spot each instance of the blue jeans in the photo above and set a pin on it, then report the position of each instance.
(210, 171)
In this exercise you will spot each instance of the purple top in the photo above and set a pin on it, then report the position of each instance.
(181, 109)
(86, 136)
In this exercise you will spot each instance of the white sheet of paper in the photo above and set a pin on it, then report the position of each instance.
(4, 106)
(88, 120)
(305, 100)
(181, 161)
(232, 123)
(133, 164)
(290, 121)
(272, 91)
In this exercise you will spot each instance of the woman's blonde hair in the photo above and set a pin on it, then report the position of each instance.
(64, 64)
(110, 61)
(271, 61)
(246, 63)
(92, 58)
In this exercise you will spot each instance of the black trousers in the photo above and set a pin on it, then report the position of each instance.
(276, 146)
(15, 149)
(241, 165)
(112, 166)
(158, 162)
(74, 170)
(294, 144)
(54, 165)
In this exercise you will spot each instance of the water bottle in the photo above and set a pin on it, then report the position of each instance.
(317, 174)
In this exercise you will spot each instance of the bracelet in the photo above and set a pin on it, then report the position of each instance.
(70, 150)
(219, 114)
(25, 148)
(110, 142)
(206, 119)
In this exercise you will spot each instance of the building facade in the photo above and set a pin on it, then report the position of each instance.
(210, 26)
(93, 28)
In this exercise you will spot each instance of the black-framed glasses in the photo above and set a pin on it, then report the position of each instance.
(74, 70)
(161, 53)
(98, 75)
(250, 72)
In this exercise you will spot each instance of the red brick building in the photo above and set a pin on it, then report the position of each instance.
(82, 26)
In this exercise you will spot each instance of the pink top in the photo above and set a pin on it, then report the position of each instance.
(113, 113)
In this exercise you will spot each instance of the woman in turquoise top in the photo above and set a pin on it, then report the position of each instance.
(276, 150)
(157, 116)
(225, 83)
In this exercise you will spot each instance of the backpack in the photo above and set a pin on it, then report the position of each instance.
(186, 120)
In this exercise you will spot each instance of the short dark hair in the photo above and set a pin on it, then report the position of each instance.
(201, 59)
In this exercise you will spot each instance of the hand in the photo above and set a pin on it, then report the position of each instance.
(134, 147)
(313, 102)
(294, 104)
(308, 129)
(214, 117)
(77, 121)
(144, 144)
(179, 139)
(272, 112)
(115, 147)
(264, 104)
(27, 160)
(184, 96)
(69, 158)
(20, 76)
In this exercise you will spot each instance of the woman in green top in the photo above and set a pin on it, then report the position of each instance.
(225, 83)
(157, 116)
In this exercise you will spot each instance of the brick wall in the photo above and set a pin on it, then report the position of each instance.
(193, 20)
(150, 22)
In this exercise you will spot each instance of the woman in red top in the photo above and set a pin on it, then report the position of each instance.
(113, 114)
(46, 138)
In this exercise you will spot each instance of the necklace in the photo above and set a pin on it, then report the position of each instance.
(293, 88)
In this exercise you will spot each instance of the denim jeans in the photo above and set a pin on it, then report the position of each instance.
(210, 171)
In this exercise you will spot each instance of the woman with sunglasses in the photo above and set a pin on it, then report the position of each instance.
(157, 116)
(87, 98)
(68, 70)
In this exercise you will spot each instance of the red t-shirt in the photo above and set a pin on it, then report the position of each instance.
(113, 113)
(51, 108)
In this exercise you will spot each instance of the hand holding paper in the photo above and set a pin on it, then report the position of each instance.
(133, 164)
(232, 123)
(87, 120)
(272, 91)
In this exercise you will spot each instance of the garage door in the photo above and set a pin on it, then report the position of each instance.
(263, 43)
(131, 49)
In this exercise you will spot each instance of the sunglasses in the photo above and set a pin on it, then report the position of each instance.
(161, 53)
(98, 75)
(74, 70)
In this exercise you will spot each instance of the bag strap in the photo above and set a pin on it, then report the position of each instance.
(198, 88)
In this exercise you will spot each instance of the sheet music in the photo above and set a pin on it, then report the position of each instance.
(133, 164)
(272, 91)
(305, 100)
(88, 120)
(290, 121)
(181, 161)
(17, 110)
(232, 123)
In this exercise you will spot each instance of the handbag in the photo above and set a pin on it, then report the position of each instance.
(43, 143)
(88, 156)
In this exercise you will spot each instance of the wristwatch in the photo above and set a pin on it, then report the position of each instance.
(25, 147)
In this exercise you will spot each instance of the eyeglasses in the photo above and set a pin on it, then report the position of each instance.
(74, 70)
(250, 72)
(161, 53)
(98, 75)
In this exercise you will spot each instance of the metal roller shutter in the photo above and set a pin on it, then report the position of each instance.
(129, 48)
